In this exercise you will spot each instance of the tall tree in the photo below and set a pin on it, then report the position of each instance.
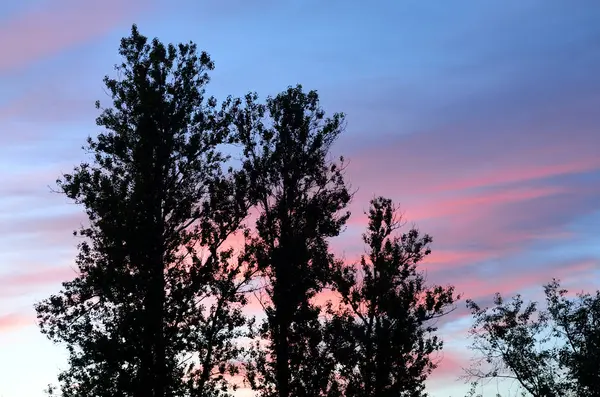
(300, 196)
(155, 284)
(384, 332)
(550, 352)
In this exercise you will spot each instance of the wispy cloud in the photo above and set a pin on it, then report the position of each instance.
(21, 282)
(50, 27)
(11, 321)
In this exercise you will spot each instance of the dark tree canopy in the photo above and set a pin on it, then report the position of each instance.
(160, 207)
(156, 309)
(300, 196)
(384, 331)
(550, 352)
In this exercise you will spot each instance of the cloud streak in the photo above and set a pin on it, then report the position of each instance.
(12, 321)
(55, 26)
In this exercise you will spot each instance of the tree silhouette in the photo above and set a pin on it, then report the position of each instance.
(384, 330)
(511, 336)
(550, 352)
(300, 196)
(576, 322)
(155, 308)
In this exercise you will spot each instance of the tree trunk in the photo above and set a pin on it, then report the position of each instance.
(282, 349)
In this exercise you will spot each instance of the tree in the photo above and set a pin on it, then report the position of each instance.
(576, 321)
(300, 195)
(550, 352)
(156, 305)
(511, 338)
(385, 326)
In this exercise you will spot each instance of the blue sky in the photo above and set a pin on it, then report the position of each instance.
(479, 117)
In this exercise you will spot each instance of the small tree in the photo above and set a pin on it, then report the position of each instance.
(157, 199)
(384, 330)
(513, 341)
(550, 352)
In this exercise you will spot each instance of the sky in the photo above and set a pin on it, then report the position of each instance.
(479, 118)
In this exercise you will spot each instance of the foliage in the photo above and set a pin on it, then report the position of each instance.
(385, 330)
(550, 352)
(300, 196)
(577, 323)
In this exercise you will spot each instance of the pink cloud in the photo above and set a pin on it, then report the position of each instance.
(446, 257)
(510, 226)
(31, 232)
(456, 158)
(467, 204)
(31, 181)
(18, 283)
(476, 226)
(450, 364)
(38, 277)
(9, 322)
(477, 204)
(509, 284)
(516, 173)
(57, 25)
